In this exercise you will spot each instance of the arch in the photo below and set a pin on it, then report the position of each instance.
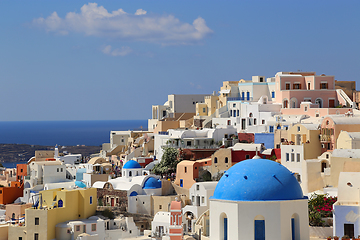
(224, 229)
(324, 164)
(215, 160)
(295, 227)
(60, 203)
(27, 185)
(319, 101)
(285, 103)
(190, 216)
(226, 160)
(133, 193)
(293, 103)
(259, 227)
(250, 115)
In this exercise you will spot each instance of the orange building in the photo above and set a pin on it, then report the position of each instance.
(176, 226)
(10, 194)
(21, 172)
(189, 172)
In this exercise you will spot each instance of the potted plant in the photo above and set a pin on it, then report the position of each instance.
(336, 238)
(345, 237)
(329, 238)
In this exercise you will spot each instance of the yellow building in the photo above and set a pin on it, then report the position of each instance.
(307, 134)
(55, 206)
(348, 140)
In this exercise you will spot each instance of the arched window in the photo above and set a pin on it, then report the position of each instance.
(319, 101)
(250, 115)
(13, 216)
(130, 174)
(293, 103)
(285, 103)
(259, 227)
(215, 160)
(223, 226)
(226, 160)
(60, 203)
(295, 227)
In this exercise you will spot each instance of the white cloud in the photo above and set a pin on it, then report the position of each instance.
(140, 12)
(94, 20)
(116, 52)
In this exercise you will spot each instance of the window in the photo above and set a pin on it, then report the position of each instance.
(226, 160)
(188, 143)
(298, 129)
(36, 236)
(234, 104)
(204, 110)
(287, 86)
(297, 86)
(57, 169)
(273, 94)
(20, 238)
(323, 85)
(160, 206)
(298, 157)
(21, 170)
(263, 121)
(202, 199)
(91, 200)
(185, 169)
(61, 169)
(292, 157)
(254, 121)
(36, 221)
(215, 160)
(238, 112)
(93, 227)
(197, 187)
(287, 157)
(247, 156)
(308, 86)
(271, 129)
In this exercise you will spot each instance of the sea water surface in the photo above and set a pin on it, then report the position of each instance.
(65, 133)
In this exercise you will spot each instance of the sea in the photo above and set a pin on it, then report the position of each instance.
(64, 133)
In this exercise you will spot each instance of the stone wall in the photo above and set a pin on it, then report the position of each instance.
(121, 195)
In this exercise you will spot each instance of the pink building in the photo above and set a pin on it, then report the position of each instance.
(292, 88)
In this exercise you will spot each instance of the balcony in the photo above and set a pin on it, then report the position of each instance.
(325, 138)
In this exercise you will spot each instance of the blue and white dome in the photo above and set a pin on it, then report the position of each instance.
(131, 164)
(152, 183)
(258, 180)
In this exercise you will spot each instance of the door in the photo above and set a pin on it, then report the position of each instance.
(259, 229)
(331, 103)
(181, 183)
(112, 202)
(349, 229)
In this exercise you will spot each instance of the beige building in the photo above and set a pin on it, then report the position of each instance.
(331, 127)
(348, 140)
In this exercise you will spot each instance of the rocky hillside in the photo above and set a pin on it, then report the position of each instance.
(23, 152)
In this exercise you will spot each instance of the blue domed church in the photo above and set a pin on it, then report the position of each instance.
(258, 199)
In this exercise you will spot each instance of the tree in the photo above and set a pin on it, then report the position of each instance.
(168, 162)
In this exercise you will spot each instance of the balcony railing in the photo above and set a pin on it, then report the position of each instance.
(325, 138)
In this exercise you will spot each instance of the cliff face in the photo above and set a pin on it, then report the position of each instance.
(23, 152)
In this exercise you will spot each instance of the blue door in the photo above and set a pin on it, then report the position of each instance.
(243, 96)
(181, 183)
(259, 229)
(248, 95)
(293, 229)
(225, 229)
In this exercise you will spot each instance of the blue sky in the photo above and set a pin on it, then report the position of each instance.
(109, 60)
